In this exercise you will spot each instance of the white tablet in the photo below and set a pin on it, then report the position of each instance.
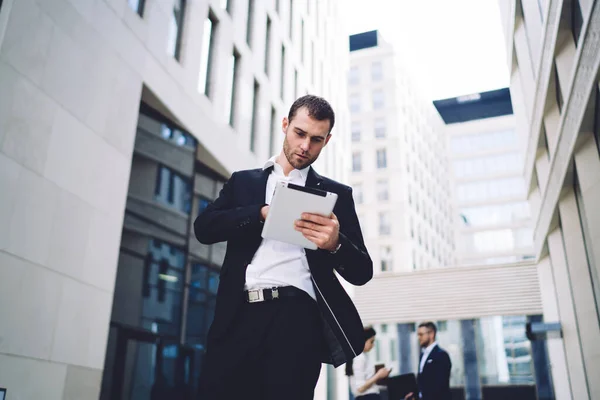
(288, 203)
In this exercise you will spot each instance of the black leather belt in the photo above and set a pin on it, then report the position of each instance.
(275, 293)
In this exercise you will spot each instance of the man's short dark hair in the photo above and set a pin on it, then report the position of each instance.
(429, 325)
(318, 108)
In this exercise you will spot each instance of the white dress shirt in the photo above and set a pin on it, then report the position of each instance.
(277, 263)
(426, 354)
(363, 371)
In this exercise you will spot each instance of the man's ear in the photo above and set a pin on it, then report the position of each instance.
(284, 124)
(327, 139)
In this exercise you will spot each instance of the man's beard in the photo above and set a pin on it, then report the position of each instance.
(289, 154)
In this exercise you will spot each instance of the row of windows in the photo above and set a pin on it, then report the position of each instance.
(208, 61)
(381, 160)
(491, 190)
(496, 214)
(355, 101)
(497, 164)
(500, 240)
(354, 75)
(379, 129)
(434, 214)
(483, 142)
(382, 191)
(421, 260)
(430, 243)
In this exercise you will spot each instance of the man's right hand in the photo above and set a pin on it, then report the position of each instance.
(409, 396)
(263, 212)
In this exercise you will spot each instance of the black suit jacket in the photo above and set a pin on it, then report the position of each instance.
(235, 217)
(434, 381)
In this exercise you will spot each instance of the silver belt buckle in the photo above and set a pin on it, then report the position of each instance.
(255, 296)
(275, 293)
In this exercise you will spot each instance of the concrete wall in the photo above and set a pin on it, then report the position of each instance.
(72, 76)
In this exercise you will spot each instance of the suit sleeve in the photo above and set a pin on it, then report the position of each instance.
(221, 221)
(352, 261)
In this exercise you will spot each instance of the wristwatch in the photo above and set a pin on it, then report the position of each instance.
(336, 249)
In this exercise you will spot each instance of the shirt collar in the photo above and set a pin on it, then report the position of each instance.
(272, 162)
(429, 348)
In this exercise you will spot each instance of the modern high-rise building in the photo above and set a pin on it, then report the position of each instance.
(399, 162)
(119, 121)
(493, 223)
(554, 59)
(482, 308)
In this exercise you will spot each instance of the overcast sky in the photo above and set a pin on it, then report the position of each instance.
(453, 47)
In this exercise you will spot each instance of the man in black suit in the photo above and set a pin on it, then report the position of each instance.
(434, 366)
(281, 310)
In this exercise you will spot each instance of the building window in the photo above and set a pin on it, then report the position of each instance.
(273, 131)
(254, 122)
(302, 41)
(135, 5)
(378, 100)
(208, 42)
(176, 29)
(576, 20)
(386, 260)
(354, 76)
(313, 62)
(393, 354)
(356, 162)
(376, 71)
(442, 326)
(234, 70)
(250, 23)
(291, 25)
(382, 190)
(177, 137)
(204, 282)
(381, 158)
(385, 226)
(268, 47)
(282, 74)
(296, 90)
(597, 118)
(379, 126)
(354, 103)
(358, 193)
(559, 97)
(356, 132)
(173, 190)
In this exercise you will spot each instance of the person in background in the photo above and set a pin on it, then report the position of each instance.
(361, 372)
(434, 366)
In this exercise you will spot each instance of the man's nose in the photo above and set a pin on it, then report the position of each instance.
(305, 145)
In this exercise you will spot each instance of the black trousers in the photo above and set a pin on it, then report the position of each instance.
(271, 353)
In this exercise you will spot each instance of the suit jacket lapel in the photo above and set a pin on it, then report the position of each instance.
(314, 180)
(259, 188)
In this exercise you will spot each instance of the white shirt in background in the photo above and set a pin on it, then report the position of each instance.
(363, 371)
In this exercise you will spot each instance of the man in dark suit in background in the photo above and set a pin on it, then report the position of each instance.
(434, 366)
(281, 310)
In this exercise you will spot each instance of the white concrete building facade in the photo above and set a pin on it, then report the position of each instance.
(493, 218)
(554, 61)
(119, 120)
(399, 163)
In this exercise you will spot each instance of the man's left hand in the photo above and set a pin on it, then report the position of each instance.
(322, 231)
